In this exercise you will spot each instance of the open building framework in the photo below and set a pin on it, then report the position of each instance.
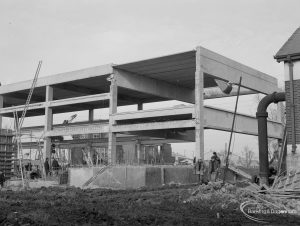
(190, 77)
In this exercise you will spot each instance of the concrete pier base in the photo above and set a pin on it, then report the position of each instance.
(126, 177)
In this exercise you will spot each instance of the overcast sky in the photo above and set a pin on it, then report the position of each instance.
(69, 35)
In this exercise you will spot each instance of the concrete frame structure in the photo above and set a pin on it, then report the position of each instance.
(188, 77)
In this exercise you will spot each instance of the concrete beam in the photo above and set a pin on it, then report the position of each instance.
(20, 108)
(155, 126)
(78, 129)
(23, 97)
(219, 119)
(181, 110)
(59, 78)
(77, 100)
(183, 136)
(57, 103)
(217, 93)
(214, 118)
(77, 89)
(230, 70)
(152, 86)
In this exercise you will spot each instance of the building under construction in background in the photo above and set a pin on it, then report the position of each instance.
(135, 145)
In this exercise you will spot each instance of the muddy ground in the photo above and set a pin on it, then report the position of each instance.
(164, 206)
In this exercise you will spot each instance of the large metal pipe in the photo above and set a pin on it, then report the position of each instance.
(262, 116)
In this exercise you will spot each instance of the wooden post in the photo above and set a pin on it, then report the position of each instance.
(112, 148)
(48, 121)
(199, 109)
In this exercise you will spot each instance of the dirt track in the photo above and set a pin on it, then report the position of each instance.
(165, 206)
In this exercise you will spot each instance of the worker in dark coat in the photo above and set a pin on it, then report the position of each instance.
(215, 165)
(47, 167)
(55, 166)
(2, 179)
(199, 169)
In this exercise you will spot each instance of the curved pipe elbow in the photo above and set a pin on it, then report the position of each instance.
(266, 101)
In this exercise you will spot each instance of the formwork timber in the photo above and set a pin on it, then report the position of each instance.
(189, 77)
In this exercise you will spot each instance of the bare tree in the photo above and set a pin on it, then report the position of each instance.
(247, 157)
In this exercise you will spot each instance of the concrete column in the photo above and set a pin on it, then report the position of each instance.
(91, 115)
(91, 119)
(138, 151)
(48, 121)
(1, 106)
(140, 106)
(112, 147)
(199, 109)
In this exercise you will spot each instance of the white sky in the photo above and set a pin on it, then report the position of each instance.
(69, 35)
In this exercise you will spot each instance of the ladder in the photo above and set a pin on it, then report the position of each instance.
(30, 94)
(281, 155)
(102, 170)
(19, 123)
(87, 158)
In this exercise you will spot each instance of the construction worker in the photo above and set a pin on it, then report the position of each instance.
(199, 170)
(47, 166)
(2, 179)
(215, 165)
(55, 166)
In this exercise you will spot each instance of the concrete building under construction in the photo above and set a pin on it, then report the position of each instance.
(190, 77)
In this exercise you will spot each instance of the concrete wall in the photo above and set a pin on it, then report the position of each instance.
(179, 174)
(78, 176)
(123, 177)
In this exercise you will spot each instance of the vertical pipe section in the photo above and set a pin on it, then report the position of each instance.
(262, 116)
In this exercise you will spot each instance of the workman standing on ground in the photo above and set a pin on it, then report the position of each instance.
(47, 166)
(55, 166)
(199, 169)
(215, 165)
